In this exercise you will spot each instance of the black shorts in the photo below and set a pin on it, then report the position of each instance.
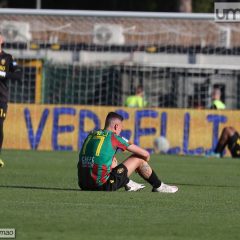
(3, 110)
(118, 179)
(234, 145)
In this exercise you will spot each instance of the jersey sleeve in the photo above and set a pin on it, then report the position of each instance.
(11, 68)
(14, 70)
(119, 142)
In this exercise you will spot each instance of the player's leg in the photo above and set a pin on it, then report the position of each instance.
(226, 135)
(1, 141)
(3, 112)
(135, 163)
(234, 144)
(1, 133)
(131, 186)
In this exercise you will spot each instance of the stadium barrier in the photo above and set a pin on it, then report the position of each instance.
(64, 127)
(100, 57)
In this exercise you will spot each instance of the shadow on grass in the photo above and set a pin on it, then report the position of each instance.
(40, 188)
(205, 185)
(76, 189)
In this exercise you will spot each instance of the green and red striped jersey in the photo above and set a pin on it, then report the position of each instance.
(95, 157)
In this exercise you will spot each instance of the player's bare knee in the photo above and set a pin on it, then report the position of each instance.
(226, 130)
(140, 162)
(230, 131)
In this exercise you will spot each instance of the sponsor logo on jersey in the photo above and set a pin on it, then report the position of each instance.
(87, 161)
(111, 181)
(2, 68)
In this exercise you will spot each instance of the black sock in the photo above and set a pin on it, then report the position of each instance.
(154, 180)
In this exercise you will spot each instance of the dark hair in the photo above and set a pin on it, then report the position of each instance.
(111, 116)
(139, 89)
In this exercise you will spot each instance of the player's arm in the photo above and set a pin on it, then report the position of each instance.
(124, 144)
(136, 149)
(139, 151)
(14, 73)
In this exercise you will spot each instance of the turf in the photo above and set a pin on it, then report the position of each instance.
(39, 197)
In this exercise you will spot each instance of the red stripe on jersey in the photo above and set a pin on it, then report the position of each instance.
(117, 144)
(104, 174)
(95, 172)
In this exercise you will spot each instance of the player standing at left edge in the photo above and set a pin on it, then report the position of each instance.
(8, 70)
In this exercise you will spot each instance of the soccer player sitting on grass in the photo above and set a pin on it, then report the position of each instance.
(229, 137)
(97, 167)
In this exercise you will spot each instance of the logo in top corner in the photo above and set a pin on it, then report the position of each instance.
(3, 61)
(227, 11)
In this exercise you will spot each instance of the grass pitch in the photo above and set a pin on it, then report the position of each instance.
(39, 197)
